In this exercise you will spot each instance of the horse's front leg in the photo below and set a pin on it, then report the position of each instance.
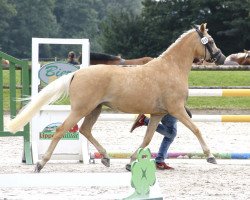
(153, 123)
(183, 117)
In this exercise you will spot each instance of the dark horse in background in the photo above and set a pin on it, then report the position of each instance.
(102, 58)
(107, 59)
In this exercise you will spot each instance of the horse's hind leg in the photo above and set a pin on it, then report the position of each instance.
(185, 119)
(86, 128)
(71, 120)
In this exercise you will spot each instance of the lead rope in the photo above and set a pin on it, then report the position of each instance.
(205, 53)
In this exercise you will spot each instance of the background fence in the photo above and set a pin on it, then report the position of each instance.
(16, 68)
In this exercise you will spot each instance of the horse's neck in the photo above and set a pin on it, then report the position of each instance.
(180, 54)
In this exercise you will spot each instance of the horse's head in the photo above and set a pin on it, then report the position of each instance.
(247, 57)
(207, 48)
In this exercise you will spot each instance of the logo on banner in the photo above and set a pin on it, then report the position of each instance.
(50, 130)
(52, 71)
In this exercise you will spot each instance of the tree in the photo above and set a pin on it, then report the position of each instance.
(230, 23)
(7, 12)
(131, 27)
(120, 31)
(121, 34)
(34, 19)
(85, 21)
(78, 19)
(162, 22)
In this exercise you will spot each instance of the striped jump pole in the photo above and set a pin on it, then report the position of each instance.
(220, 92)
(182, 155)
(221, 118)
(195, 118)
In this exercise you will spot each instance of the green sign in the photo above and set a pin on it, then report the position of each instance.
(50, 130)
(143, 174)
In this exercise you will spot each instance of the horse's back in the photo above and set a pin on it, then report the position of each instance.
(99, 77)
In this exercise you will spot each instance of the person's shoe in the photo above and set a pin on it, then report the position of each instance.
(188, 112)
(138, 122)
(163, 166)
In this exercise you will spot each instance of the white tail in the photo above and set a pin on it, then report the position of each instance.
(49, 94)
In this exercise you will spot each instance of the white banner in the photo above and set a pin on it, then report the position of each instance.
(73, 145)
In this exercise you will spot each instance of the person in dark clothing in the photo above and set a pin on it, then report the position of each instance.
(72, 58)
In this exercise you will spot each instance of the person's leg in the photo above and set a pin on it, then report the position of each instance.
(162, 153)
(168, 128)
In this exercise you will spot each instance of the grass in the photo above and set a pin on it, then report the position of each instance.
(196, 78)
(219, 78)
(219, 102)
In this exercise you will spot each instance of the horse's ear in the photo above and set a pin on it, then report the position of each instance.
(203, 27)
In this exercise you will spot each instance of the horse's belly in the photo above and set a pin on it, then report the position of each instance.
(136, 105)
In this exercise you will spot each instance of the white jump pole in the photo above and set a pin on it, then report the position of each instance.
(55, 180)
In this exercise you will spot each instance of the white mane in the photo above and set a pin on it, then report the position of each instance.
(178, 40)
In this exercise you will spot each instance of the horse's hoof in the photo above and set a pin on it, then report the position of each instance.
(211, 160)
(128, 167)
(38, 167)
(106, 162)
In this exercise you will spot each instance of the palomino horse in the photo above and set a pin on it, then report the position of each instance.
(158, 87)
(101, 58)
(242, 58)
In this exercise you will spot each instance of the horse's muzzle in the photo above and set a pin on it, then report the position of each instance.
(219, 58)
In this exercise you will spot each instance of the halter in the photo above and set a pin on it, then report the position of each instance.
(204, 40)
